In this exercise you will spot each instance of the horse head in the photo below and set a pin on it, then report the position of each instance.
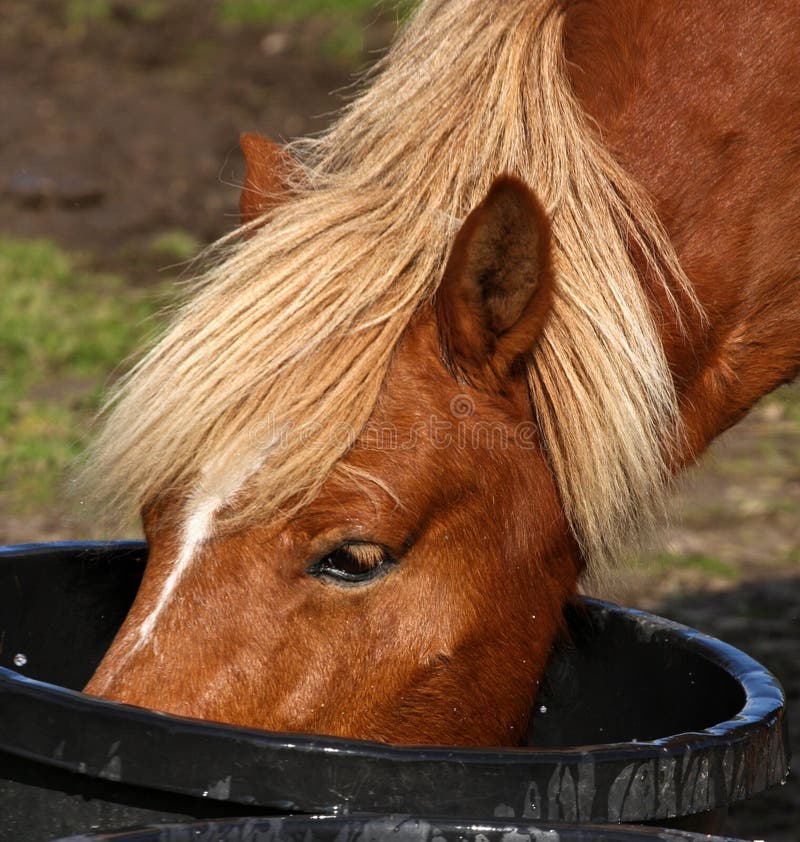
(415, 597)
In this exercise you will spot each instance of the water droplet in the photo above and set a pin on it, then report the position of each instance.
(543, 709)
(20, 660)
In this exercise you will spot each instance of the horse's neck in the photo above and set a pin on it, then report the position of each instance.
(701, 103)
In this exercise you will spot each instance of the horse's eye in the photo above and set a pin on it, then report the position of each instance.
(354, 563)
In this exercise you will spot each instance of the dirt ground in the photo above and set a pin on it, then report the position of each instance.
(114, 132)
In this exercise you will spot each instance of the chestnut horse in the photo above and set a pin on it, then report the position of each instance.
(452, 361)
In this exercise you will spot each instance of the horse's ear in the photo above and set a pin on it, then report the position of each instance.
(497, 287)
(267, 176)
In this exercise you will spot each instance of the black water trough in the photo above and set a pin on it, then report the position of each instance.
(640, 719)
(390, 829)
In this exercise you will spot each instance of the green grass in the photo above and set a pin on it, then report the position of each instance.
(174, 244)
(80, 12)
(707, 564)
(62, 330)
(711, 565)
(343, 38)
(279, 11)
(788, 399)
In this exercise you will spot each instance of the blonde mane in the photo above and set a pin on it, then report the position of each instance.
(295, 325)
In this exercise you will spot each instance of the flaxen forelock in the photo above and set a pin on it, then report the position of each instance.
(298, 321)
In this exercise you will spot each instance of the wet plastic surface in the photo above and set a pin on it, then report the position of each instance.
(639, 719)
(391, 829)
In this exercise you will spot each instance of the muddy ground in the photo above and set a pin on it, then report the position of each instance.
(116, 131)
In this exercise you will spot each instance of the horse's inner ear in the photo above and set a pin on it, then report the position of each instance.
(267, 176)
(497, 288)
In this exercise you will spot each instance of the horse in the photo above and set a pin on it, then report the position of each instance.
(452, 361)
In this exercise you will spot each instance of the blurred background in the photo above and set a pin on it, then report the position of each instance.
(119, 161)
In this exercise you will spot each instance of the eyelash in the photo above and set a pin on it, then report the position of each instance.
(342, 566)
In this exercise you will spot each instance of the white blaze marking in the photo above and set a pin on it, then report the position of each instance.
(197, 529)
